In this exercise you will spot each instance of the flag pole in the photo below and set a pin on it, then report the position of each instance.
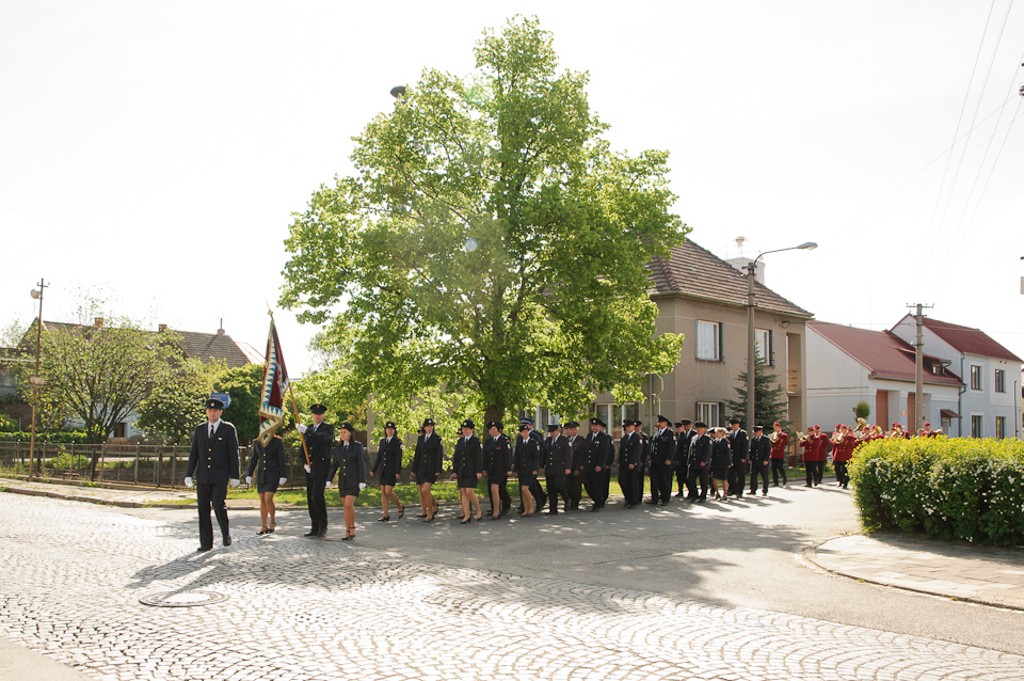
(295, 406)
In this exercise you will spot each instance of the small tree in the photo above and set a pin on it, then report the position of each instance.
(862, 410)
(173, 408)
(770, 403)
(243, 384)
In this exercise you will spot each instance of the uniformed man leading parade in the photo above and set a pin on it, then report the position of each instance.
(213, 461)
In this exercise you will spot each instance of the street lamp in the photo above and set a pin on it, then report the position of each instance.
(751, 361)
(36, 379)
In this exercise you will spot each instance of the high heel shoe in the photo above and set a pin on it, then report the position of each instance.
(401, 512)
(479, 518)
(273, 526)
(348, 537)
(495, 517)
(463, 521)
(263, 531)
(383, 519)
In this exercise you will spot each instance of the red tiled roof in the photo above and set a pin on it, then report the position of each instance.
(972, 341)
(694, 272)
(881, 352)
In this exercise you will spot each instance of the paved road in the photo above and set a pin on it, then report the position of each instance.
(295, 608)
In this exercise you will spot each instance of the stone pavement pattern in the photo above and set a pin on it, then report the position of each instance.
(302, 609)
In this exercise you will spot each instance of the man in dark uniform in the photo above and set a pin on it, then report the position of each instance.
(540, 497)
(760, 460)
(578, 462)
(319, 437)
(740, 445)
(684, 434)
(662, 460)
(629, 463)
(213, 460)
(599, 456)
(497, 452)
(643, 457)
(700, 460)
(557, 460)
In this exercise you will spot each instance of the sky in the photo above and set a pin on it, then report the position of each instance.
(151, 153)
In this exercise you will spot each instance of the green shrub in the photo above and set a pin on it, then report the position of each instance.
(77, 437)
(959, 488)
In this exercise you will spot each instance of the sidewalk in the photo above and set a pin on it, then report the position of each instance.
(960, 571)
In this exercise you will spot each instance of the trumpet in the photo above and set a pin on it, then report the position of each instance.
(773, 436)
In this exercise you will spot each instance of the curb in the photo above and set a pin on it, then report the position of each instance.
(810, 554)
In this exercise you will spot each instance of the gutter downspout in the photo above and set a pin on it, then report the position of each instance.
(960, 399)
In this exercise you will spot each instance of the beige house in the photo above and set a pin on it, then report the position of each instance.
(705, 298)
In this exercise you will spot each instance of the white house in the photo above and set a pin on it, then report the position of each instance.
(988, 401)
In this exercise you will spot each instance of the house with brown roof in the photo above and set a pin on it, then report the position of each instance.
(847, 365)
(988, 401)
(705, 298)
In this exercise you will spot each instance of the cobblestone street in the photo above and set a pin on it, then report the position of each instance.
(299, 609)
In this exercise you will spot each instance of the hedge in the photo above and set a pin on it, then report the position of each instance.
(970, 489)
(65, 436)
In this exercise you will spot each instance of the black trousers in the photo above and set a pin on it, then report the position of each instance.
(819, 471)
(779, 466)
(594, 481)
(629, 482)
(697, 473)
(208, 495)
(738, 478)
(574, 486)
(842, 474)
(756, 470)
(661, 482)
(539, 496)
(556, 488)
(315, 502)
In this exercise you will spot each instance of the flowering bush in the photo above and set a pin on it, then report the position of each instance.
(958, 488)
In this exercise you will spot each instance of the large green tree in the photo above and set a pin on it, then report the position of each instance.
(170, 412)
(490, 240)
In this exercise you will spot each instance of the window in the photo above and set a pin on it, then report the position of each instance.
(975, 426)
(764, 349)
(1000, 427)
(709, 340)
(975, 377)
(709, 413)
(1000, 383)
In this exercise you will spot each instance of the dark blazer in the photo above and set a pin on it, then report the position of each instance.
(683, 441)
(557, 457)
(700, 450)
(760, 451)
(664, 448)
(497, 455)
(578, 449)
(350, 464)
(389, 457)
(629, 450)
(721, 455)
(268, 460)
(600, 452)
(740, 445)
(526, 458)
(468, 458)
(215, 461)
(319, 443)
(427, 460)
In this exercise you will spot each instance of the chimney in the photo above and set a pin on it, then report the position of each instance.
(220, 331)
(162, 327)
(99, 322)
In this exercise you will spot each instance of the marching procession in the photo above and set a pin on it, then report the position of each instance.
(567, 461)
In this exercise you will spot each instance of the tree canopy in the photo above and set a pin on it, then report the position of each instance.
(491, 241)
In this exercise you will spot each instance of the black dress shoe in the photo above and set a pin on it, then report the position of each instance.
(322, 532)
(204, 549)
(312, 533)
(227, 540)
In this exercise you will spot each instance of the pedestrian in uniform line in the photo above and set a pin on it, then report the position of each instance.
(267, 464)
(699, 464)
(643, 459)
(319, 437)
(348, 460)
(497, 454)
(842, 454)
(739, 443)
(525, 464)
(721, 462)
(684, 435)
(426, 465)
(540, 497)
(780, 440)
(821, 454)
(387, 467)
(212, 465)
(598, 468)
(760, 460)
(577, 464)
(662, 462)
(467, 470)
(557, 462)
(629, 462)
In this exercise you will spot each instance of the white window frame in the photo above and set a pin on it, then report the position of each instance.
(975, 377)
(764, 338)
(709, 334)
(978, 431)
(999, 382)
(710, 413)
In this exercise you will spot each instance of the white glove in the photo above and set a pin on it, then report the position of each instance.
(234, 482)
(301, 427)
(306, 468)
(362, 486)
(248, 479)
(329, 483)
(188, 482)
(281, 481)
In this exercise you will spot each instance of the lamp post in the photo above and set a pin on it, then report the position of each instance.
(36, 379)
(751, 360)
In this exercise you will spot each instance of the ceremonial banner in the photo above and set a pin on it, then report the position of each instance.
(275, 385)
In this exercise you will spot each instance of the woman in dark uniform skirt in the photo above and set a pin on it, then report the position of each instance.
(721, 462)
(467, 469)
(525, 463)
(497, 453)
(348, 461)
(267, 463)
(387, 468)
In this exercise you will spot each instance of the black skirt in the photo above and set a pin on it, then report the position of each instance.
(267, 487)
(527, 480)
(468, 483)
(349, 492)
(388, 480)
(720, 472)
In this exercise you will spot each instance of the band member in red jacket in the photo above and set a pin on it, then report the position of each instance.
(780, 440)
(842, 453)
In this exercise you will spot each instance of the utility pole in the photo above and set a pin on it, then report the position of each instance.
(36, 379)
(918, 370)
